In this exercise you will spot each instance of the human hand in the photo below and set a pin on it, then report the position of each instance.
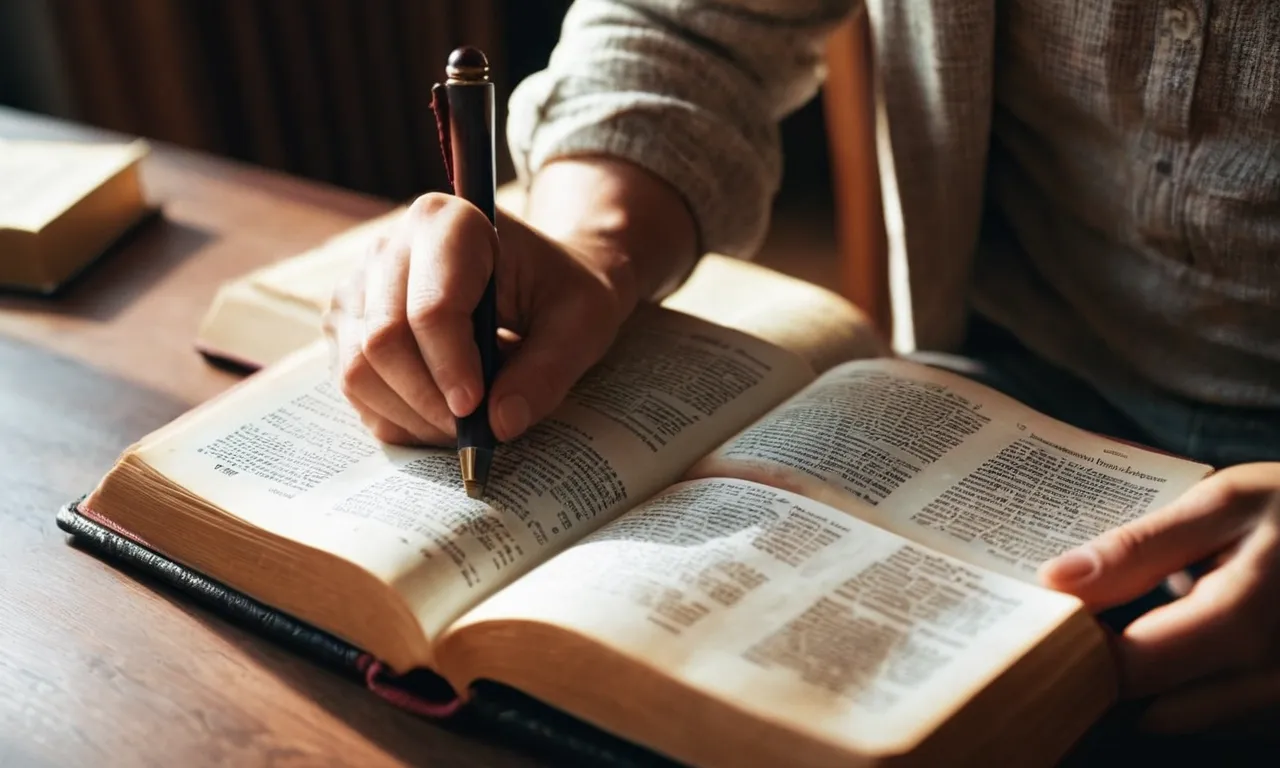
(1210, 659)
(400, 333)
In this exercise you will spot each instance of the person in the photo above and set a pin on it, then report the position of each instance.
(1089, 194)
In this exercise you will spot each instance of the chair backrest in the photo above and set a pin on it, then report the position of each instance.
(849, 104)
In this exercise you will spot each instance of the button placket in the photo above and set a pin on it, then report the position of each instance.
(1159, 202)
(1175, 64)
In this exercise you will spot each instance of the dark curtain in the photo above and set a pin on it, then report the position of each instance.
(334, 90)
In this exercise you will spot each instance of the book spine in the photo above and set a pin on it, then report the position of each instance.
(497, 712)
(420, 692)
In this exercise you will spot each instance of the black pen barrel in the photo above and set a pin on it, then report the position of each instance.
(472, 144)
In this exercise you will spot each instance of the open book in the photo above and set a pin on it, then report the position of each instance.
(61, 205)
(732, 548)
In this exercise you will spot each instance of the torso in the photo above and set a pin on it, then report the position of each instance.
(1135, 175)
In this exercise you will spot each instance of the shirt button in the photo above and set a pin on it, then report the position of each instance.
(1181, 22)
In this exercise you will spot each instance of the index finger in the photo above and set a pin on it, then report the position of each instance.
(452, 260)
(1126, 562)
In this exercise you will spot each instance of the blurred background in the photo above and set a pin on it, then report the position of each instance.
(333, 90)
(337, 91)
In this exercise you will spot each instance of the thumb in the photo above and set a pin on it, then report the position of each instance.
(1127, 562)
(558, 349)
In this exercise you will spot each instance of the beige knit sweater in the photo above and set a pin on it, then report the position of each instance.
(1102, 177)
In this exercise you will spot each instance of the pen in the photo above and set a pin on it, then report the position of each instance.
(470, 99)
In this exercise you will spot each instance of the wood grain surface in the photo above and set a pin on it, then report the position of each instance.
(101, 666)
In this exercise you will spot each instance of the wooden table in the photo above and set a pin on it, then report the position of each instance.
(99, 666)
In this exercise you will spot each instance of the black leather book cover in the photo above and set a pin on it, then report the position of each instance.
(491, 712)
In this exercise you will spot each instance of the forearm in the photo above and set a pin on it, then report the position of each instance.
(691, 92)
(630, 224)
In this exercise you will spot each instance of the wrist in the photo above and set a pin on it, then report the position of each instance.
(612, 265)
(629, 227)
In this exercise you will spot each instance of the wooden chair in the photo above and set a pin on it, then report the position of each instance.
(849, 104)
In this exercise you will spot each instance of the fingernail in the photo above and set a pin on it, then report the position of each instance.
(1073, 567)
(459, 401)
(512, 415)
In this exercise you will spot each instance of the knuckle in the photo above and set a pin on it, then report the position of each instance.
(352, 377)
(429, 205)
(333, 313)
(1128, 542)
(345, 297)
(339, 300)
(329, 323)
(336, 302)
(426, 309)
(380, 342)
(376, 246)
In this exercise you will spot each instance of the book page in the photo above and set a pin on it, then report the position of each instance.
(951, 464)
(309, 278)
(40, 180)
(788, 608)
(287, 453)
(817, 324)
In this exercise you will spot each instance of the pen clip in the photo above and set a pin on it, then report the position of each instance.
(440, 107)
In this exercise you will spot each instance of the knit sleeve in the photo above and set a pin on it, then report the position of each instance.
(691, 91)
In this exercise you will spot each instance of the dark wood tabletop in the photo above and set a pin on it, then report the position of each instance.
(98, 665)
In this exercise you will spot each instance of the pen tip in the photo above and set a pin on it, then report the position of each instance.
(474, 463)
